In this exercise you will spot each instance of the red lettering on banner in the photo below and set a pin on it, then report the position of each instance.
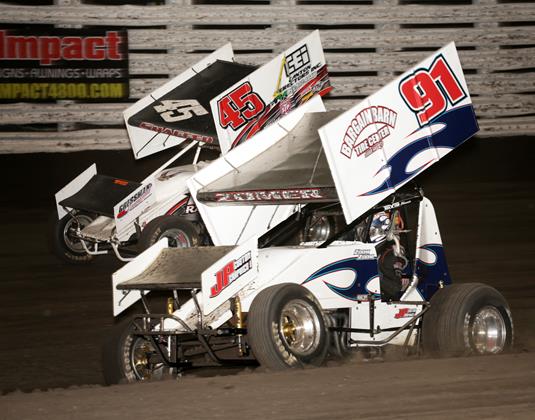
(48, 49)
(113, 41)
(73, 49)
(93, 48)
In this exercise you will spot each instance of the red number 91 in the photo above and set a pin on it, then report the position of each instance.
(427, 92)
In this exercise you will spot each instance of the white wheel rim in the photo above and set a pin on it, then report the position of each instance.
(177, 238)
(74, 244)
(300, 327)
(319, 229)
(141, 351)
(488, 331)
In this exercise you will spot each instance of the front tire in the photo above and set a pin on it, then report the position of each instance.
(286, 328)
(180, 233)
(64, 244)
(466, 319)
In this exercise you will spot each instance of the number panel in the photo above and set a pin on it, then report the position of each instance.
(239, 106)
(427, 92)
(178, 110)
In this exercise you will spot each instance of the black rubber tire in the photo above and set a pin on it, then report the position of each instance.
(117, 356)
(338, 345)
(162, 225)
(446, 327)
(264, 333)
(58, 243)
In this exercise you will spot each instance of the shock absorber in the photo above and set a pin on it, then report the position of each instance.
(170, 306)
(238, 315)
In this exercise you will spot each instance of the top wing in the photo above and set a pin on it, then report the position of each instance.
(231, 225)
(386, 140)
(293, 170)
(366, 153)
(270, 92)
(180, 108)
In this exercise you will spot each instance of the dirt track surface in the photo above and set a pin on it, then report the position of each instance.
(469, 388)
(55, 317)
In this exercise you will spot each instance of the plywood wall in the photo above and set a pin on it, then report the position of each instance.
(367, 43)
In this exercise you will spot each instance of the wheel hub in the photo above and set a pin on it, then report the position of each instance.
(300, 327)
(144, 369)
(289, 329)
(69, 232)
(177, 238)
(318, 229)
(488, 330)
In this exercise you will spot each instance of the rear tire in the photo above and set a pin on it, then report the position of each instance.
(318, 228)
(64, 245)
(181, 233)
(466, 319)
(286, 328)
(127, 357)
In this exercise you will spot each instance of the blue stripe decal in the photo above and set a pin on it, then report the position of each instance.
(459, 124)
(364, 271)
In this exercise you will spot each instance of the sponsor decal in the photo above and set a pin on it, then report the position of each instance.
(297, 60)
(271, 195)
(172, 111)
(184, 206)
(427, 92)
(299, 71)
(367, 131)
(364, 254)
(121, 182)
(307, 77)
(232, 271)
(286, 106)
(176, 133)
(389, 207)
(135, 200)
(63, 64)
(297, 68)
(191, 207)
(405, 313)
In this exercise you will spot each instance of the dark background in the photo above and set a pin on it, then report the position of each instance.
(54, 316)
(35, 178)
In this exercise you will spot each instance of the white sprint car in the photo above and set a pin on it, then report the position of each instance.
(217, 101)
(380, 279)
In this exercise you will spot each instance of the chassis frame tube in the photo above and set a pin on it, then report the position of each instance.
(200, 335)
(410, 323)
